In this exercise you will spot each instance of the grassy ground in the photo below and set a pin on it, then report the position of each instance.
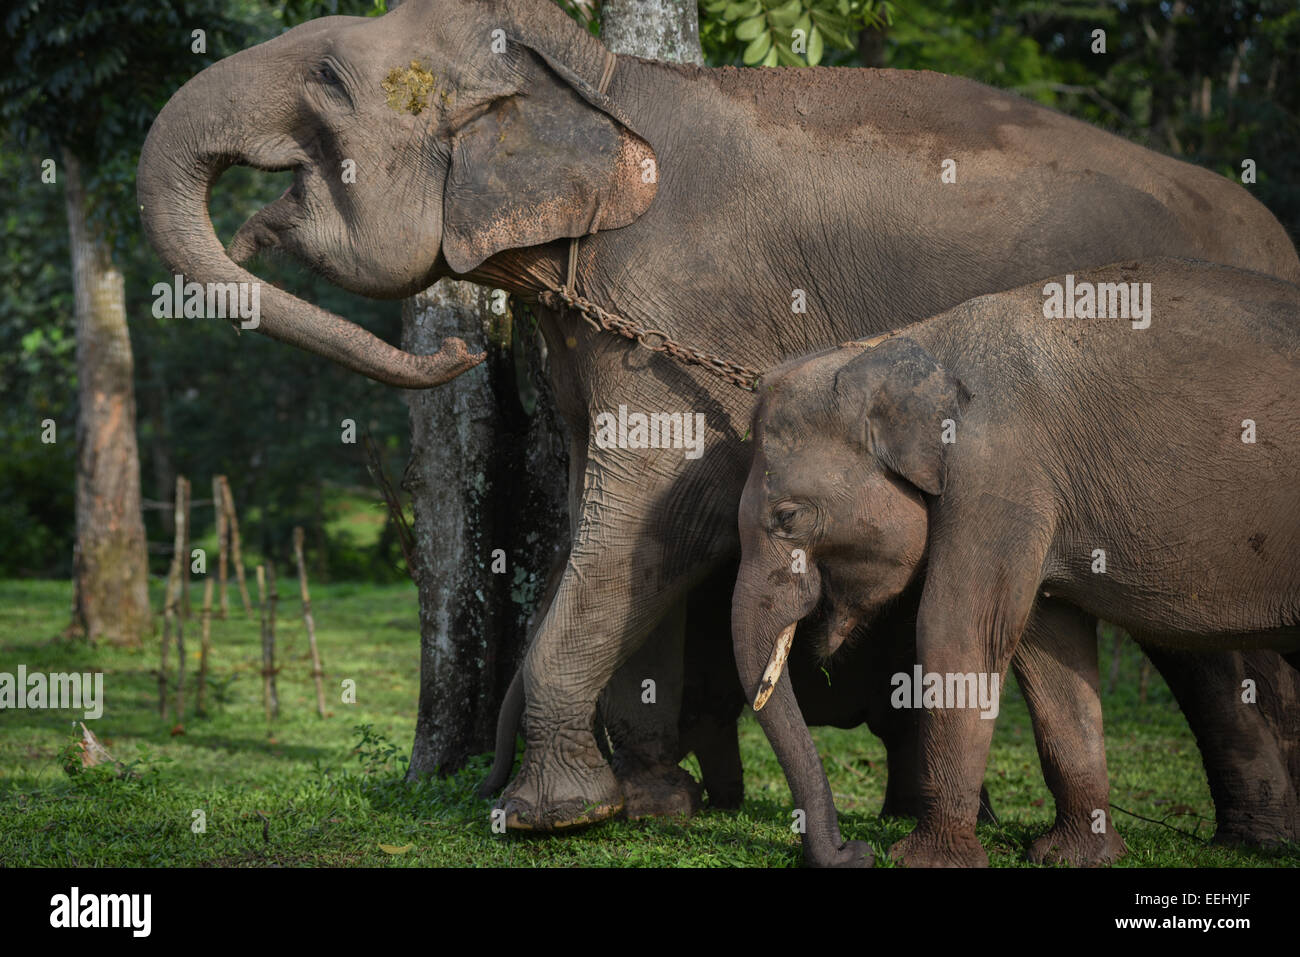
(330, 792)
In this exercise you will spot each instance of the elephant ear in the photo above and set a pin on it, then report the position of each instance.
(898, 397)
(552, 159)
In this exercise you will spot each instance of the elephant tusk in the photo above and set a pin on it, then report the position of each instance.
(775, 665)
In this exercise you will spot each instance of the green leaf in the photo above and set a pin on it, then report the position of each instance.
(751, 28)
(815, 47)
(771, 58)
(757, 49)
(786, 57)
(786, 14)
(833, 29)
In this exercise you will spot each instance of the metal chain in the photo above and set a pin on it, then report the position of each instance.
(654, 340)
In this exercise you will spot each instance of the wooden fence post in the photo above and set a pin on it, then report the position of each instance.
(223, 535)
(266, 595)
(201, 706)
(232, 522)
(316, 671)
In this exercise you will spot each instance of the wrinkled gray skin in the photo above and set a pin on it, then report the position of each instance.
(763, 182)
(1069, 435)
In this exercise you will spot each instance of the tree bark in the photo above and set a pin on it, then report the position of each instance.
(488, 471)
(110, 567)
(654, 29)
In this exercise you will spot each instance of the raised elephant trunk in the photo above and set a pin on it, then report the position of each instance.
(178, 166)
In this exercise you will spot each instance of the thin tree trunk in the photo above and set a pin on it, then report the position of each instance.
(111, 565)
(307, 619)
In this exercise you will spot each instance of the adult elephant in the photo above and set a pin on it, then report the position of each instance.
(757, 213)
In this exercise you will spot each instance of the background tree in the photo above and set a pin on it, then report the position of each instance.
(83, 82)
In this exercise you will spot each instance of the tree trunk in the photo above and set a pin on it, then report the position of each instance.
(110, 568)
(488, 471)
(654, 29)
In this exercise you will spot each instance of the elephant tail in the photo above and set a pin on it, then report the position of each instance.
(503, 762)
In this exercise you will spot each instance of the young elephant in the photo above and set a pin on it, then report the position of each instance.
(1143, 468)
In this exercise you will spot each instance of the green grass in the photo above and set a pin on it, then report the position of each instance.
(307, 791)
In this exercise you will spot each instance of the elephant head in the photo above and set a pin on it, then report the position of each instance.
(848, 446)
(422, 143)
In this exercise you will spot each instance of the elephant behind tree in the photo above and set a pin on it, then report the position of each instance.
(485, 134)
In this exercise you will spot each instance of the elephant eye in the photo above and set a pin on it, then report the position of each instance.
(785, 516)
(325, 73)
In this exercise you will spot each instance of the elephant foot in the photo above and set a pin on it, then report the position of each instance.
(562, 792)
(927, 849)
(1251, 833)
(849, 854)
(1077, 846)
(663, 791)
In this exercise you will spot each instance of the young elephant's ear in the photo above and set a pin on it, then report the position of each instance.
(901, 397)
(551, 159)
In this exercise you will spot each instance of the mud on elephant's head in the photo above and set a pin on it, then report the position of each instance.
(847, 447)
(422, 143)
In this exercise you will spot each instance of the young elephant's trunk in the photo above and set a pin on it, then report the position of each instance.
(762, 642)
(206, 128)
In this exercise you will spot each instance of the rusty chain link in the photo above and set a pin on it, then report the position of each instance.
(740, 376)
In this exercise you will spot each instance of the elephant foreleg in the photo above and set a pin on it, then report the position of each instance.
(610, 599)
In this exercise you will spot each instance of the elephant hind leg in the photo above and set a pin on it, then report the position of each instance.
(503, 759)
(640, 708)
(1247, 735)
(1056, 665)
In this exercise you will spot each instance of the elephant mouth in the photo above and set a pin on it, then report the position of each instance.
(841, 628)
(264, 229)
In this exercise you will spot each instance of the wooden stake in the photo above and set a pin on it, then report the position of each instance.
(182, 565)
(203, 648)
(219, 506)
(182, 517)
(316, 672)
(169, 594)
(166, 643)
(266, 599)
(232, 522)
